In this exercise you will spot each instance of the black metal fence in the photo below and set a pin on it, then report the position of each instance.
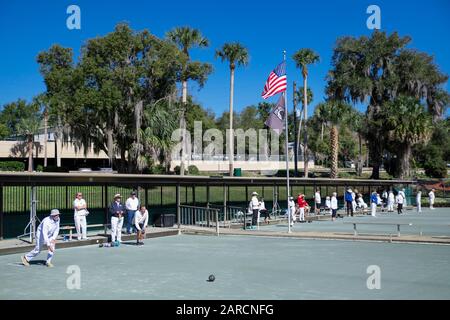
(161, 194)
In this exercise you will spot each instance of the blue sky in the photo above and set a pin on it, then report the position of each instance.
(266, 28)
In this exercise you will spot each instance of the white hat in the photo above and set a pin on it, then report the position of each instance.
(54, 212)
(291, 198)
(254, 193)
(117, 195)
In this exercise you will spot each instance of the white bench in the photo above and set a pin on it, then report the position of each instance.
(398, 224)
(71, 228)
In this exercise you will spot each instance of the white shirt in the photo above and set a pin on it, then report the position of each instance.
(328, 203)
(140, 218)
(418, 196)
(292, 206)
(431, 195)
(254, 203)
(262, 206)
(317, 197)
(334, 203)
(48, 230)
(79, 203)
(391, 197)
(399, 199)
(132, 204)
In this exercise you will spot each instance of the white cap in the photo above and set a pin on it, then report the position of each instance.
(254, 194)
(54, 212)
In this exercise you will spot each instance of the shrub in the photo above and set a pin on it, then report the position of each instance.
(177, 170)
(158, 169)
(40, 168)
(193, 170)
(12, 166)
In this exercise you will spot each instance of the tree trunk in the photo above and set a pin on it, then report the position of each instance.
(231, 135)
(404, 168)
(58, 142)
(183, 127)
(30, 153)
(45, 136)
(110, 146)
(305, 99)
(360, 159)
(334, 142)
(321, 133)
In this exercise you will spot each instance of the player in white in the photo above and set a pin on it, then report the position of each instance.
(419, 201)
(140, 223)
(80, 213)
(46, 234)
(431, 197)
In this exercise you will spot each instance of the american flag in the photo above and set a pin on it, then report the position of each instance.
(276, 82)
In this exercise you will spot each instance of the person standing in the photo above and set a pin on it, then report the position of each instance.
(419, 201)
(132, 205)
(334, 206)
(46, 234)
(373, 203)
(80, 213)
(391, 200)
(254, 205)
(327, 204)
(399, 199)
(292, 210)
(317, 202)
(403, 193)
(431, 197)
(302, 204)
(348, 201)
(140, 222)
(384, 198)
(117, 211)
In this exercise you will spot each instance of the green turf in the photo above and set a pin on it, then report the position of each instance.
(245, 268)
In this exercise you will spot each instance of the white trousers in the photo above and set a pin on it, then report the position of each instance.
(390, 206)
(419, 207)
(116, 229)
(302, 214)
(373, 206)
(80, 225)
(431, 203)
(39, 244)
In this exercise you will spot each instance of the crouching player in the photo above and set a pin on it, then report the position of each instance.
(140, 222)
(45, 235)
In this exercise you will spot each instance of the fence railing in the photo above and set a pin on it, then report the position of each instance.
(200, 217)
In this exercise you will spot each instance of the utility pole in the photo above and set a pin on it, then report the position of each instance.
(295, 130)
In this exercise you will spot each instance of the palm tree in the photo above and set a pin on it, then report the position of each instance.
(378, 69)
(186, 38)
(303, 58)
(337, 114)
(235, 54)
(28, 127)
(358, 123)
(407, 123)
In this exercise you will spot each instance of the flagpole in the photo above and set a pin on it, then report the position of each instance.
(287, 147)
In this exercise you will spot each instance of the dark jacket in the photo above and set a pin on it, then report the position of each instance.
(115, 209)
